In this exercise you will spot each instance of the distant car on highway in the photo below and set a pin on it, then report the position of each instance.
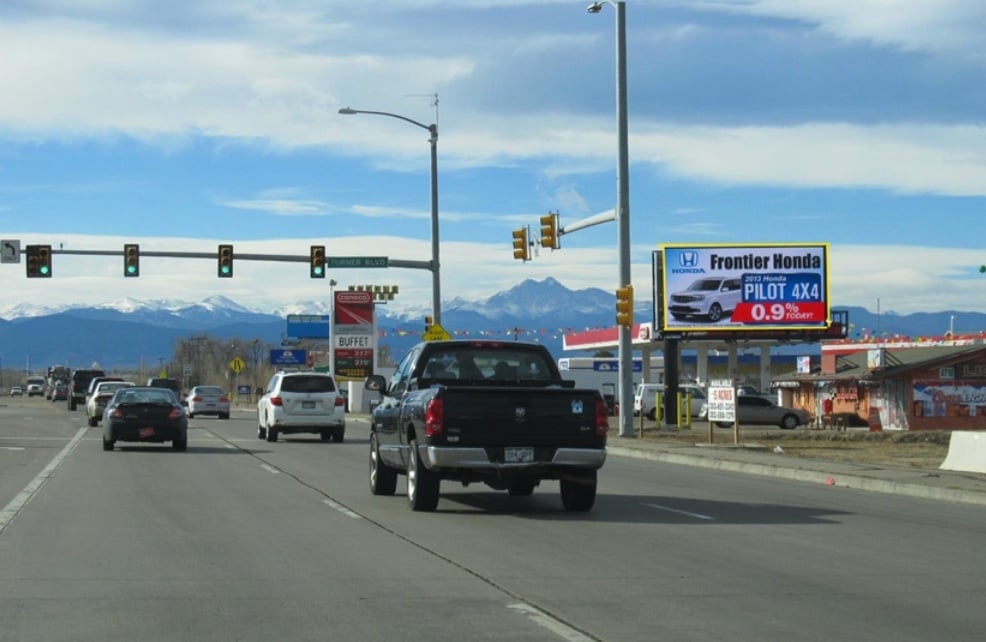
(145, 414)
(100, 397)
(207, 400)
(59, 392)
(712, 297)
(16, 391)
(756, 410)
(35, 386)
(300, 402)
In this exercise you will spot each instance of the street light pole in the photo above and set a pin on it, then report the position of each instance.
(622, 212)
(436, 282)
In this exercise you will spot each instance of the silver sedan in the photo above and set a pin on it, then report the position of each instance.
(207, 400)
(755, 410)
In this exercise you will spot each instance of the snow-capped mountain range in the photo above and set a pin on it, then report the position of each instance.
(122, 332)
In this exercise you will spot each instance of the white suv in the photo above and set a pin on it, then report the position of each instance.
(306, 402)
(646, 395)
(711, 297)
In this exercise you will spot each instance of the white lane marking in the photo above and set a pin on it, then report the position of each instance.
(17, 503)
(270, 469)
(680, 512)
(342, 509)
(542, 619)
(11, 448)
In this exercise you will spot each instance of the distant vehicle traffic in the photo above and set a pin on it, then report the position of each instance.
(166, 382)
(97, 401)
(302, 402)
(16, 391)
(207, 400)
(79, 384)
(145, 414)
(35, 386)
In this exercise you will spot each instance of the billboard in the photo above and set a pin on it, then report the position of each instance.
(308, 326)
(771, 286)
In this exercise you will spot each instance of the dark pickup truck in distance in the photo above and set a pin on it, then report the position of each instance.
(485, 411)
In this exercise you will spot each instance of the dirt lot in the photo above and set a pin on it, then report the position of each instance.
(925, 449)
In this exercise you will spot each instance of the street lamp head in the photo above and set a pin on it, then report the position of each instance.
(595, 7)
(347, 110)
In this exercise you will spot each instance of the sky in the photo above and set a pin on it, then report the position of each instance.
(186, 124)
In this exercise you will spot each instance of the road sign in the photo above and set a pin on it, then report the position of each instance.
(436, 333)
(10, 251)
(237, 365)
(288, 357)
(308, 326)
(356, 262)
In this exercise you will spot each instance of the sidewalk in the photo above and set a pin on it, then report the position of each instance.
(944, 485)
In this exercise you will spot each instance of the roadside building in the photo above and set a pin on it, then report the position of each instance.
(905, 386)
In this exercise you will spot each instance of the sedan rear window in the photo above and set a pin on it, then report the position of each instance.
(307, 384)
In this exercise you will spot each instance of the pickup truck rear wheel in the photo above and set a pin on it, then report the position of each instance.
(578, 492)
(383, 478)
(422, 484)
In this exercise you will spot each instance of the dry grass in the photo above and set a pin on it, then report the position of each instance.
(924, 449)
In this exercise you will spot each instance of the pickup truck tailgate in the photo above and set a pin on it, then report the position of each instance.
(488, 416)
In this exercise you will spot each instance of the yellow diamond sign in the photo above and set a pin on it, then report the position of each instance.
(436, 333)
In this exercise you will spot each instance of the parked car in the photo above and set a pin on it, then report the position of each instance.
(145, 414)
(16, 391)
(755, 410)
(207, 400)
(100, 397)
(301, 402)
(646, 394)
(711, 297)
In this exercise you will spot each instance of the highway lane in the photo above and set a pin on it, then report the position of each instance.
(242, 539)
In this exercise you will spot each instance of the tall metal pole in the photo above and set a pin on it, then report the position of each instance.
(623, 218)
(435, 264)
(436, 281)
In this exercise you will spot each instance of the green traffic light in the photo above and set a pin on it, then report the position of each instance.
(317, 270)
(225, 269)
(43, 269)
(131, 269)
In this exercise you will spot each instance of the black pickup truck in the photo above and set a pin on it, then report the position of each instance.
(485, 411)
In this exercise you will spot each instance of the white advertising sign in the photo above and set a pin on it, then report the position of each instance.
(722, 404)
(745, 287)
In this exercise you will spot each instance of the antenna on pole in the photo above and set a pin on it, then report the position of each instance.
(434, 101)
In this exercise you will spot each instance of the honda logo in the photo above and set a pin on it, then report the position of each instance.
(688, 259)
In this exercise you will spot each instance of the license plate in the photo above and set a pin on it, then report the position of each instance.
(146, 432)
(518, 455)
(307, 404)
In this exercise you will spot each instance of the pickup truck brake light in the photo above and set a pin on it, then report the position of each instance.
(435, 417)
(602, 418)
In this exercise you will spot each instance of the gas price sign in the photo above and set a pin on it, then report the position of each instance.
(745, 287)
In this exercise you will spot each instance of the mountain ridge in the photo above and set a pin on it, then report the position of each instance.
(127, 331)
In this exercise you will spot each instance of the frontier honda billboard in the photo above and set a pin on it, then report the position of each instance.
(744, 287)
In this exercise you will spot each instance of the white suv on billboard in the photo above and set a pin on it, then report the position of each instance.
(302, 402)
(711, 297)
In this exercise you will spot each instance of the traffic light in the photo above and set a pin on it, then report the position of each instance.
(226, 261)
(317, 262)
(38, 261)
(549, 231)
(624, 306)
(131, 259)
(522, 250)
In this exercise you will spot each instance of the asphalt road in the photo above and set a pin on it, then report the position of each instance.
(239, 539)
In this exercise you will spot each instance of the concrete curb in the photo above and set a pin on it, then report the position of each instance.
(837, 479)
